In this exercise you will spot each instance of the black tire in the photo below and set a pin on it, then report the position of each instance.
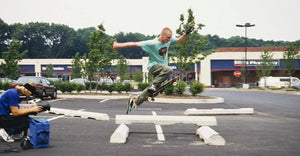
(54, 95)
(25, 143)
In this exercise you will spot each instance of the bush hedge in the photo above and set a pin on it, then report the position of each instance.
(196, 88)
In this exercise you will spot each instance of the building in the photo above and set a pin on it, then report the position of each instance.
(216, 70)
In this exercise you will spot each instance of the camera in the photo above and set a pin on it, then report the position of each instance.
(46, 107)
(33, 103)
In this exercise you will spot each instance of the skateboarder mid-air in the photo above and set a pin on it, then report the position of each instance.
(158, 61)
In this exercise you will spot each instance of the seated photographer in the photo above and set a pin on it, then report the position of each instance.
(11, 116)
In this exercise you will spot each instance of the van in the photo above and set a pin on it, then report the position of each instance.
(277, 82)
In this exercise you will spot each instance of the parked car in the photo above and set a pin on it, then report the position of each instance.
(42, 85)
(296, 85)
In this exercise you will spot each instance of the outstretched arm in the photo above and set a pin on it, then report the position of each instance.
(182, 37)
(117, 45)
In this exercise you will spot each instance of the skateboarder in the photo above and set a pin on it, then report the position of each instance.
(158, 60)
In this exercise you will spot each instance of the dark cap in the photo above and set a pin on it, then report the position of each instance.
(31, 88)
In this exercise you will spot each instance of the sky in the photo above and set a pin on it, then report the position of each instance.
(277, 20)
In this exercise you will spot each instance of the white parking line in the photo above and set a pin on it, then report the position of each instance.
(103, 100)
(159, 131)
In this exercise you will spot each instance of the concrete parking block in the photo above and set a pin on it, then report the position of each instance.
(210, 136)
(120, 135)
(167, 120)
(219, 111)
(93, 115)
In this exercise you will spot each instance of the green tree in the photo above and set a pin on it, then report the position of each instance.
(76, 67)
(101, 53)
(49, 70)
(81, 39)
(11, 58)
(290, 57)
(122, 68)
(189, 51)
(5, 32)
(137, 76)
(265, 67)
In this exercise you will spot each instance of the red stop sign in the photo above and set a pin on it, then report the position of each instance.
(237, 73)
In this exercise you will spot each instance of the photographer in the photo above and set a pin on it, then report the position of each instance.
(11, 116)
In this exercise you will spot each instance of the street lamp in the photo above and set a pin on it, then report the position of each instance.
(246, 25)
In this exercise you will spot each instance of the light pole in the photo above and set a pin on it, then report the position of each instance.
(246, 25)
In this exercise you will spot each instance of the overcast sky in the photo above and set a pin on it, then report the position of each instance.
(274, 19)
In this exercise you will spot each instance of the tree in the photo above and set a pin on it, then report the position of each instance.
(290, 57)
(137, 76)
(5, 32)
(100, 55)
(76, 67)
(122, 68)
(81, 39)
(11, 58)
(265, 67)
(49, 70)
(189, 51)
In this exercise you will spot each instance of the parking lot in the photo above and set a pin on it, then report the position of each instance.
(273, 129)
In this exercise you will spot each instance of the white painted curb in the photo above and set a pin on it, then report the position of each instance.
(120, 135)
(189, 101)
(210, 136)
(219, 111)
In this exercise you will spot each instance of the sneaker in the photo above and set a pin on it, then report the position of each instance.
(151, 89)
(5, 136)
(131, 105)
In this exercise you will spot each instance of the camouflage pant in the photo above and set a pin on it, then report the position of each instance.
(160, 74)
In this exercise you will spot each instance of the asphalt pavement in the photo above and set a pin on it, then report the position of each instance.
(273, 129)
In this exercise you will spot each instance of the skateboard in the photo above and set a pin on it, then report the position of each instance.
(161, 88)
(152, 95)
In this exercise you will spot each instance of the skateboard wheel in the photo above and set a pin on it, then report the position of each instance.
(175, 84)
(151, 99)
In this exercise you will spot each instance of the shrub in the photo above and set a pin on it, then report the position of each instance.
(197, 88)
(119, 87)
(143, 85)
(127, 87)
(66, 87)
(169, 90)
(102, 86)
(110, 88)
(5, 85)
(180, 88)
(79, 87)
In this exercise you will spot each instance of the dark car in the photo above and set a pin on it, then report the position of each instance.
(43, 86)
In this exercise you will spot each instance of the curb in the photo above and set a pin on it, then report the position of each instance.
(157, 100)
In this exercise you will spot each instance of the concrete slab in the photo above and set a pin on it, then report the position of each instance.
(210, 136)
(219, 111)
(166, 120)
(120, 135)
